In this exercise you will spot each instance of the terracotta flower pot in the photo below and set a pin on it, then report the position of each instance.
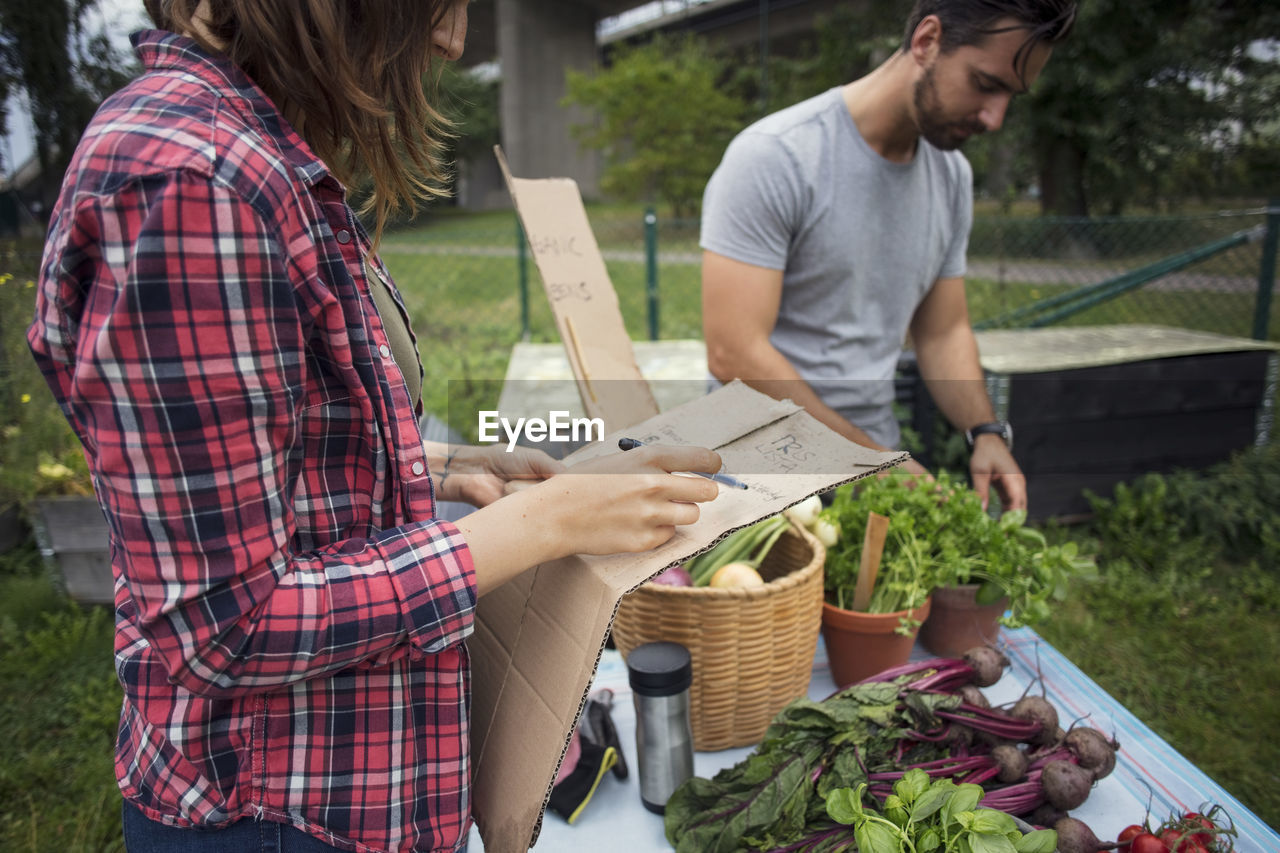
(957, 622)
(862, 644)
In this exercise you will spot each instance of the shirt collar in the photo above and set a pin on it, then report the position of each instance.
(164, 51)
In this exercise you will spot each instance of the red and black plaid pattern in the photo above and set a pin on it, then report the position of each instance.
(290, 618)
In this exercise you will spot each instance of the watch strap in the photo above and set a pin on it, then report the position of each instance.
(1000, 428)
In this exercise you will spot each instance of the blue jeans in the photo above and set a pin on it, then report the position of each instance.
(247, 835)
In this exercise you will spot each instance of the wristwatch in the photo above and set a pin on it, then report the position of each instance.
(1001, 428)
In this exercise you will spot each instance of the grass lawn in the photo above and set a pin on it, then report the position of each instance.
(1195, 658)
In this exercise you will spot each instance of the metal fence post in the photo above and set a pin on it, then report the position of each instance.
(522, 265)
(651, 268)
(1267, 272)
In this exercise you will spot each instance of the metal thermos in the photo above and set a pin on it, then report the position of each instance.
(660, 675)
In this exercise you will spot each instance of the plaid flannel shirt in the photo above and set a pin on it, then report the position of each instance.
(290, 618)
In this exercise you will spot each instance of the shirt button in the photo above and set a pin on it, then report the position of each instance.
(385, 351)
(344, 236)
(418, 469)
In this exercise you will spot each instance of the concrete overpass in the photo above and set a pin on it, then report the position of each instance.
(537, 40)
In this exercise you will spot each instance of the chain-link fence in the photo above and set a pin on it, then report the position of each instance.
(1204, 272)
(1208, 272)
(473, 288)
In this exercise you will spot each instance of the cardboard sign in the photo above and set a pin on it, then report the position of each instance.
(538, 638)
(582, 298)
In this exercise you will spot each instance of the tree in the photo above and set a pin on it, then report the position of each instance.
(846, 43)
(663, 120)
(1144, 90)
(64, 72)
(1146, 101)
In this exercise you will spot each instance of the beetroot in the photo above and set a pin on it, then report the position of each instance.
(1075, 836)
(1093, 750)
(1012, 762)
(677, 575)
(1066, 784)
(1046, 815)
(988, 664)
(971, 694)
(1038, 709)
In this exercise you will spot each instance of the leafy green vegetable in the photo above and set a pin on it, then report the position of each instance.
(939, 535)
(923, 815)
(749, 545)
(810, 749)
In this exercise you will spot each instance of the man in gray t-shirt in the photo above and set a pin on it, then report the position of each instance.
(835, 228)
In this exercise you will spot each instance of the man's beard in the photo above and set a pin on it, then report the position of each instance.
(943, 135)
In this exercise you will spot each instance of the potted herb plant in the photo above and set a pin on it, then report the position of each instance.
(982, 571)
(877, 585)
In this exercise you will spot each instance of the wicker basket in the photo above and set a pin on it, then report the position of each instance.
(752, 649)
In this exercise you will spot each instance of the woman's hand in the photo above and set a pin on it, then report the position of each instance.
(622, 502)
(627, 502)
(481, 475)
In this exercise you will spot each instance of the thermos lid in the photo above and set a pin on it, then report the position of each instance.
(659, 669)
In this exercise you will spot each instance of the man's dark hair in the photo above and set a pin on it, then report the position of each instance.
(969, 22)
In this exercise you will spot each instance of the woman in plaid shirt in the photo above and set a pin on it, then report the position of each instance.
(215, 323)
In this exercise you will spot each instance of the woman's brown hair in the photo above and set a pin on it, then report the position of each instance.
(353, 76)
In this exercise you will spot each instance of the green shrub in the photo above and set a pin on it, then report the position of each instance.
(61, 701)
(1230, 512)
(39, 454)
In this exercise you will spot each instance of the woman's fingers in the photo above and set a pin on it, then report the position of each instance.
(529, 464)
(685, 513)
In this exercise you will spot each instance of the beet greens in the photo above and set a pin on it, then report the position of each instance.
(866, 737)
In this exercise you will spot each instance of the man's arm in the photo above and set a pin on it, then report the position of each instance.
(947, 354)
(739, 309)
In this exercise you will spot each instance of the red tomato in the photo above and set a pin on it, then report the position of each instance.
(1147, 843)
(1129, 833)
(1188, 843)
(1194, 819)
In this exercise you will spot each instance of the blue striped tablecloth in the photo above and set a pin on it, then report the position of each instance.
(1148, 770)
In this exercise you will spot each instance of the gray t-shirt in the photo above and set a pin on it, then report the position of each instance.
(860, 241)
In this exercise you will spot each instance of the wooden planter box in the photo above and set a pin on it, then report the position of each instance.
(1095, 406)
(73, 538)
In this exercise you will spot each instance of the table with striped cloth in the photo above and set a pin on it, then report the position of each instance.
(1147, 768)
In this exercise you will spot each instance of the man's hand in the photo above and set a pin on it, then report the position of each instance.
(993, 464)
(914, 468)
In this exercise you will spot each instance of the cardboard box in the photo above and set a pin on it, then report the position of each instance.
(539, 637)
